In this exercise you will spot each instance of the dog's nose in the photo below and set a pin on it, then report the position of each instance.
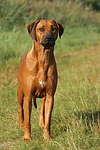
(49, 37)
(48, 40)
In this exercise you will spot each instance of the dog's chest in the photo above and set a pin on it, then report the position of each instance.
(42, 76)
(40, 89)
(42, 83)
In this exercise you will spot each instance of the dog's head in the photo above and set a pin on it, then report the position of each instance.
(45, 31)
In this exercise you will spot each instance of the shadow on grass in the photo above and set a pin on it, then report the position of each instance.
(87, 117)
(89, 122)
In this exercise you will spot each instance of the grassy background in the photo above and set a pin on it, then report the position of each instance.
(76, 114)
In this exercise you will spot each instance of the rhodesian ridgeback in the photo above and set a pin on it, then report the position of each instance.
(37, 75)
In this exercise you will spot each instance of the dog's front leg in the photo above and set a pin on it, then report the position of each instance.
(27, 123)
(48, 110)
(20, 110)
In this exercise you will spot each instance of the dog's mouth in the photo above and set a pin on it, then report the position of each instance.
(48, 41)
(48, 44)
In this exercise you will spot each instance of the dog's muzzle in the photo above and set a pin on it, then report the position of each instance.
(48, 41)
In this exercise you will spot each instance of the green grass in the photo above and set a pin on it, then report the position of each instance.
(14, 44)
(76, 38)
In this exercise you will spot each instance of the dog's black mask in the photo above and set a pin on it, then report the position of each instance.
(48, 41)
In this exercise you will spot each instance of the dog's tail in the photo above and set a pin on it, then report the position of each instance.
(35, 102)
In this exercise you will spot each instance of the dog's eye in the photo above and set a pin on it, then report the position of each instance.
(41, 29)
(53, 29)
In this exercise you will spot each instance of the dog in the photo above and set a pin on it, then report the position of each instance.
(37, 75)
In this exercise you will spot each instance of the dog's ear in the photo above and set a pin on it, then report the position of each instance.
(32, 29)
(60, 28)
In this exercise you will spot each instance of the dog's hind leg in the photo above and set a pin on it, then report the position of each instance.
(20, 110)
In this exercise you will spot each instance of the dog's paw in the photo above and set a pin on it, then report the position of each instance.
(21, 125)
(46, 137)
(27, 137)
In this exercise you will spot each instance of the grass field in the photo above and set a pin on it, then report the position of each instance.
(75, 118)
(75, 123)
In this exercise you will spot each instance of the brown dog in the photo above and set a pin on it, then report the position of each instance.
(37, 75)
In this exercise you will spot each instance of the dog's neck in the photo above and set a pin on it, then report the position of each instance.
(42, 56)
(41, 51)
